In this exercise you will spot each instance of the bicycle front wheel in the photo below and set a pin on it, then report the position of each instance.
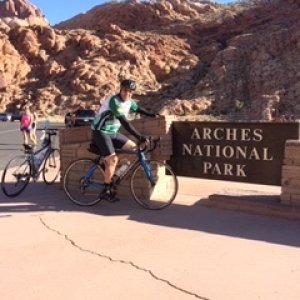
(153, 186)
(83, 182)
(16, 176)
(51, 168)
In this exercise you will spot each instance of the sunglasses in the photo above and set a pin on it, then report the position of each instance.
(127, 90)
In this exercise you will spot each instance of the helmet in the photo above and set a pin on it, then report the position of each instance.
(128, 84)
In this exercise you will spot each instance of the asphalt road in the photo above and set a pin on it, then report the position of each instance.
(121, 251)
(11, 140)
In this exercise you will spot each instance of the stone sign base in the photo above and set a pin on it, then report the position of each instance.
(74, 144)
(261, 205)
(290, 184)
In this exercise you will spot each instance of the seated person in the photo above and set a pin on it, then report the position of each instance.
(105, 130)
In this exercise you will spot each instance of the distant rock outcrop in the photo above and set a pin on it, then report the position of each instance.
(20, 12)
(188, 57)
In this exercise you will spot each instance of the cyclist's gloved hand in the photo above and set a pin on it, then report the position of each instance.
(143, 139)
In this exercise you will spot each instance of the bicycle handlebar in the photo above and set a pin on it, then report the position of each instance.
(48, 129)
(150, 146)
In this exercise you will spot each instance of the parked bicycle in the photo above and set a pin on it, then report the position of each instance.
(32, 164)
(153, 183)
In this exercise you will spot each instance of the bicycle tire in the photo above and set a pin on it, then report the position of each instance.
(80, 189)
(51, 167)
(16, 176)
(158, 195)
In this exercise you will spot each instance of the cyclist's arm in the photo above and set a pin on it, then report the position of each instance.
(124, 122)
(142, 111)
(137, 109)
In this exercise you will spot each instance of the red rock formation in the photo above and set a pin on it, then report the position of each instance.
(188, 57)
(21, 12)
(18, 8)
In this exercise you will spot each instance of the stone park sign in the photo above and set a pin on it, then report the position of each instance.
(241, 151)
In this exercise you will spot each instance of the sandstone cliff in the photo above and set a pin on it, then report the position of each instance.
(237, 61)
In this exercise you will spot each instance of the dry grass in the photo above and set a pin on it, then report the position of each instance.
(52, 119)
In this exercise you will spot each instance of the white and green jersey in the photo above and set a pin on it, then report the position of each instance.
(106, 120)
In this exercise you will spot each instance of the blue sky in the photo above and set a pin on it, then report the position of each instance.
(61, 10)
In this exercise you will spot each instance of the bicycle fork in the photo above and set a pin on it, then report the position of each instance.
(147, 168)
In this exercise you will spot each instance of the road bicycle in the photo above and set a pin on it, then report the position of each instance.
(20, 169)
(153, 183)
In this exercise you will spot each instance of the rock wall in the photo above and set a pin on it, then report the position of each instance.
(188, 57)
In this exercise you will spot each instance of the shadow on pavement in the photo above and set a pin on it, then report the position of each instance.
(39, 197)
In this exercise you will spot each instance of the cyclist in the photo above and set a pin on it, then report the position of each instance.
(105, 131)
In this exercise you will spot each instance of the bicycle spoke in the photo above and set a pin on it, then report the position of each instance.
(83, 182)
(16, 176)
(155, 188)
(51, 168)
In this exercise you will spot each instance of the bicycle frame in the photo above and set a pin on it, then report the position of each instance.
(20, 169)
(32, 156)
(141, 158)
(148, 172)
(88, 175)
(84, 179)
(36, 165)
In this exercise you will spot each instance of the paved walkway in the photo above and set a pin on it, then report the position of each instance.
(52, 249)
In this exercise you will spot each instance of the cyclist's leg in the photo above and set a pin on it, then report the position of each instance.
(122, 142)
(111, 162)
(105, 144)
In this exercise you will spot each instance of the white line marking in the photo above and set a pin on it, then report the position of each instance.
(2, 132)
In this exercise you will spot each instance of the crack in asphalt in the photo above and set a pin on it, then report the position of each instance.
(130, 263)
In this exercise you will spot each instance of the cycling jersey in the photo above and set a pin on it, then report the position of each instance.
(107, 119)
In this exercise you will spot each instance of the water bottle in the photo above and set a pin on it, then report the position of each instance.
(122, 169)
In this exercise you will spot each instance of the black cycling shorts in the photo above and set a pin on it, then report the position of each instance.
(108, 143)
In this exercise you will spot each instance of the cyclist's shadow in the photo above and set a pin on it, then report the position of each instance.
(190, 215)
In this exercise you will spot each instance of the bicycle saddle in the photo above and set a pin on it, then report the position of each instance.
(28, 148)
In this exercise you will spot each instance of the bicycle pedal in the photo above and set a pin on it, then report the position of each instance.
(109, 197)
(113, 199)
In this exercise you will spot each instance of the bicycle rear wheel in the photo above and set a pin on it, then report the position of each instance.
(83, 182)
(16, 176)
(155, 188)
(51, 168)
